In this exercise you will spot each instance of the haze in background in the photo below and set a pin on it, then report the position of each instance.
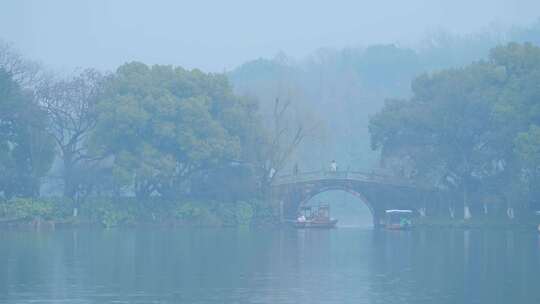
(220, 35)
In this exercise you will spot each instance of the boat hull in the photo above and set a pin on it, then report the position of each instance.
(397, 227)
(317, 224)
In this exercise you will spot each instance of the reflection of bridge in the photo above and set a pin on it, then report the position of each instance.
(378, 192)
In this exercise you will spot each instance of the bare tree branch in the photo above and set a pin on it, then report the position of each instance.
(285, 140)
(71, 107)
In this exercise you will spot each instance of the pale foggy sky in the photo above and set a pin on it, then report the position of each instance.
(221, 34)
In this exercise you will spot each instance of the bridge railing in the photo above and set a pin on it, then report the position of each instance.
(346, 175)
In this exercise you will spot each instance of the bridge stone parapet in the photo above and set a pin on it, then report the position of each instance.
(344, 175)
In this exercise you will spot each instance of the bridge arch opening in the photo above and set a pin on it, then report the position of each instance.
(351, 208)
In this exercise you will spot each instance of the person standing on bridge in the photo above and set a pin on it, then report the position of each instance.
(295, 169)
(333, 166)
(271, 173)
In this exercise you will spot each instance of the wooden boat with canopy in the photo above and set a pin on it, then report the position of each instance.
(315, 217)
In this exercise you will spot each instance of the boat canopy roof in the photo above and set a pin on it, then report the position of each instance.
(398, 211)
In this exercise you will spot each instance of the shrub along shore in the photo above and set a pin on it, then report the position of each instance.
(110, 212)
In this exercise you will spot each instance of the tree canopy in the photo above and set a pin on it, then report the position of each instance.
(470, 129)
(26, 149)
(163, 124)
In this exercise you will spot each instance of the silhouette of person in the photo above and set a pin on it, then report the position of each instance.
(333, 166)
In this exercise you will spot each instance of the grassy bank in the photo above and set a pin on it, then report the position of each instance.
(109, 212)
(479, 222)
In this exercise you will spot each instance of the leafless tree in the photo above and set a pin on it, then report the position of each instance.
(27, 73)
(71, 107)
(287, 134)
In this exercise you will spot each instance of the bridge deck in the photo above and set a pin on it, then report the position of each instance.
(315, 176)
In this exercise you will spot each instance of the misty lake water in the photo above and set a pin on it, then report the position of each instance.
(344, 265)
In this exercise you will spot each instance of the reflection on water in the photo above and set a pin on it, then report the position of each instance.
(269, 266)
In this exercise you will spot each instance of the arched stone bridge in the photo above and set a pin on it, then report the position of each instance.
(378, 192)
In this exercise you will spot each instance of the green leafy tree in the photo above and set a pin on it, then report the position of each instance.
(162, 124)
(26, 150)
(527, 148)
(463, 127)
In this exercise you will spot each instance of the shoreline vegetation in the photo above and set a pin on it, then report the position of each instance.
(53, 213)
(106, 212)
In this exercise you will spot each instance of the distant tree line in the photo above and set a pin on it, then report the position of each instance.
(343, 88)
(474, 131)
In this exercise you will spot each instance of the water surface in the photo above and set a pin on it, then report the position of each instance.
(347, 265)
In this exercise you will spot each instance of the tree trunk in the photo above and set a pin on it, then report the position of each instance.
(69, 183)
(466, 210)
